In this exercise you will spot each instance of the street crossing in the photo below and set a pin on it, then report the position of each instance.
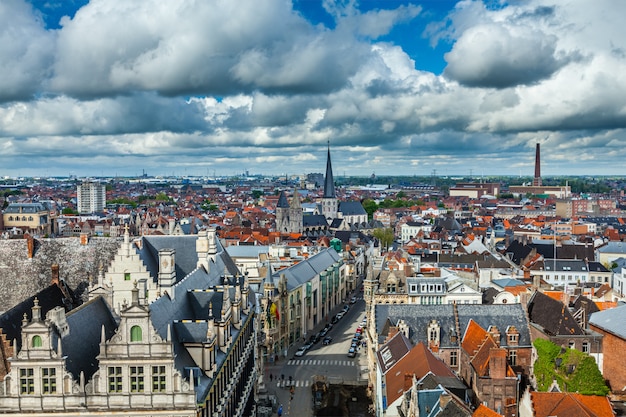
(321, 362)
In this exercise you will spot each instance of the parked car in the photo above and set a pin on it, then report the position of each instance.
(346, 308)
(334, 319)
(301, 351)
(340, 315)
(351, 352)
(353, 300)
(327, 340)
(324, 332)
(314, 339)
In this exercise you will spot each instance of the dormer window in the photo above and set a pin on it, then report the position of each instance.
(36, 342)
(136, 334)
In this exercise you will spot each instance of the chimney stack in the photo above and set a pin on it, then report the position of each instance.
(537, 180)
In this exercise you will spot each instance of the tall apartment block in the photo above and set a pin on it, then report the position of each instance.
(91, 197)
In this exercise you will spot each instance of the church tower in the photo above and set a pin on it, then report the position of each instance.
(282, 214)
(330, 205)
(295, 213)
(289, 215)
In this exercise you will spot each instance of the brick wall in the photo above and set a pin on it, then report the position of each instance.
(613, 349)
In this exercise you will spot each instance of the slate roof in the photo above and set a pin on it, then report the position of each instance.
(188, 311)
(49, 298)
(613, 247)
(25, 208)
(282, 201)
(552, 316)
(351, 208)
(508, 282)
(500, 315)
(185, 257)
(313, 220)
(82, 344)
(329, 182)
(305, 270)
(612, 320)
(417, 317)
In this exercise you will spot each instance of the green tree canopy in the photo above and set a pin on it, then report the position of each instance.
(385, 236)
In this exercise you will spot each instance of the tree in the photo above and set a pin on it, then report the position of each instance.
(256, 194)
(385, 236)
(69, 210)
(370, 207)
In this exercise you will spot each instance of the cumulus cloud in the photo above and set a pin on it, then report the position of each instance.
(217, 85)
(26, 51)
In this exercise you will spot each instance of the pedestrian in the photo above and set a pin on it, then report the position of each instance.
(280, 410)
(271, 377)
(282, 377)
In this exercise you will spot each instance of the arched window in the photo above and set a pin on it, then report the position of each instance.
(135, 334)
(36, 341)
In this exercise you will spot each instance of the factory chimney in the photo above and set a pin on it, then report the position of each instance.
(537, 180)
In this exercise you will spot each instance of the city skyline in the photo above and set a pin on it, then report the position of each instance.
(111, 88)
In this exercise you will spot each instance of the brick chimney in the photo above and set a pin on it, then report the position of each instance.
(497, 363)
(54, 278)
(30, 244)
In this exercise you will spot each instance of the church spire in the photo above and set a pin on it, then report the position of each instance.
(329, 182)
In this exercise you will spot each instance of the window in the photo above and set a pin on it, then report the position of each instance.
(136, 379)
(27, 381)
(513, 357)
(585, 347)
(126, 276)
(571, 344)
(513, 338)
(453, 358)
(36, 341)
(115, 379)
(158, 379)
(49, 380)
(135, 334)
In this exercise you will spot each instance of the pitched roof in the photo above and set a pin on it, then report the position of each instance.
(49, 298)
(552, 315)
(484, 411)
(612, 321)
(81, 345)
(547, 404)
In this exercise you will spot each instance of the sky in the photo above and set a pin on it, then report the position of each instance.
(394, 87)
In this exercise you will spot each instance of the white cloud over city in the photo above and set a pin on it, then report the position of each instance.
(190, 88)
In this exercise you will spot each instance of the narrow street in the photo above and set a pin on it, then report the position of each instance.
(330, 362)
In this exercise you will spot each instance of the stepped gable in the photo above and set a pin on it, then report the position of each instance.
(81, 345)
(185, 257)
(552, 315)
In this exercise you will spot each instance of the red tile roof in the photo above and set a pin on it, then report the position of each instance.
(570, 404)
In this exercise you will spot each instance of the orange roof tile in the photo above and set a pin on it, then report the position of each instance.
(473, 338)
(570, 404)
(484, 411)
